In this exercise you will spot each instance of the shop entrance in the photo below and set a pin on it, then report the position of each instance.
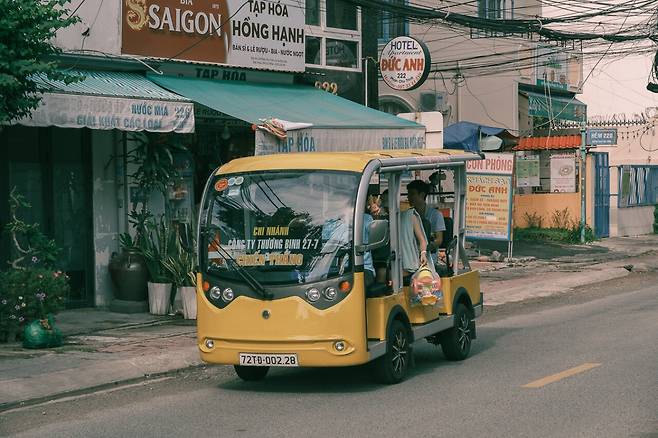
(51, 168)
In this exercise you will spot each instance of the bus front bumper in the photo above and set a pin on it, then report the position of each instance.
(314, 353)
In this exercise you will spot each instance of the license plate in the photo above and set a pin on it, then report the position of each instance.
(268, 360)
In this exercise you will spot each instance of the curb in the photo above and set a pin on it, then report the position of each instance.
(5, 407)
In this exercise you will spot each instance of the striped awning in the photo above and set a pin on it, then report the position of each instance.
(110, 100)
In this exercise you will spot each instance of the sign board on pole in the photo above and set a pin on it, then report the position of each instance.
(601, 137)
(404, 63)
(489, 197)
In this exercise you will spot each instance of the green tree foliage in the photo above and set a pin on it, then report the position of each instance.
(27, 29)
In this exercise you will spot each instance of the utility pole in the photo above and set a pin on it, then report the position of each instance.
(583, 168)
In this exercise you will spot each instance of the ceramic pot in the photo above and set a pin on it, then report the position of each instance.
(188, 295)
(159, 296)
(129, 275)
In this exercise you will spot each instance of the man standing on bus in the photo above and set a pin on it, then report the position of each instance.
(417, 191)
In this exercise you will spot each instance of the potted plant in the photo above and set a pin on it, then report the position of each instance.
(31, 289)
(128, 270)
(156, 247)
(153, 157)
(180, 264)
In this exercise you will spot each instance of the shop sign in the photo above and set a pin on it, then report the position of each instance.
(256, 34)
(602, 137)
(492, 164)
(563, 173)
(404, 63)
(95, 112)
(540, 105)
(489, 197)
(337, 140)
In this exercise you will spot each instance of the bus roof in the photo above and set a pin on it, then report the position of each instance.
(345, 161)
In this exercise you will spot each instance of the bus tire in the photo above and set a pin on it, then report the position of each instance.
(456, 342)
(393, 367)
(250, 374)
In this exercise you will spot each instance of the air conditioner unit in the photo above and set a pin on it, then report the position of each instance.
(433, 101)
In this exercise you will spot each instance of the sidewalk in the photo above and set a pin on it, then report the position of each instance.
(104, 348)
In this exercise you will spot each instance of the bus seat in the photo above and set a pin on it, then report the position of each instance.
(447, 234)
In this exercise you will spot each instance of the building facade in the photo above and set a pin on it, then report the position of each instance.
(71, 159)
(494, 79)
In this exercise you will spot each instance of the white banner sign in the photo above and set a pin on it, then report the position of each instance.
(563, 173)
(493, 164)
(336, 140)
(95, 112)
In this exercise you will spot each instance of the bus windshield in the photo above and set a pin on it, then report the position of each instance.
(282, 227)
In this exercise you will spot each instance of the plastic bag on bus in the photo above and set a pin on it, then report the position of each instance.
(425, 288)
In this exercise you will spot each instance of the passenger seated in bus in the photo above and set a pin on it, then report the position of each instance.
(413, 244)
(432, 219)
(378, 206)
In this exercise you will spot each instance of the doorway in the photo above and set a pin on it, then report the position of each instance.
(601, 194)
(51, 169)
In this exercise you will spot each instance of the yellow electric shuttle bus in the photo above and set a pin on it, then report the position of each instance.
(281, 264)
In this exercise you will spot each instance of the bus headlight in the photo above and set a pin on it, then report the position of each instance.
(215, 293)
(313, 294)
(330, 293)
(339, 346)
(227, 294)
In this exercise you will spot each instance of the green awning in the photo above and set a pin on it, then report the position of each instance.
(110, 100)
(294, 103)
(558, 108)
(109, 84)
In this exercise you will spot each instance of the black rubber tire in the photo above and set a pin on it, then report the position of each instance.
(393, 367)
(456, 342)
(250, 374)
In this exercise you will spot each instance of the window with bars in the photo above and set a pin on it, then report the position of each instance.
(638, 186)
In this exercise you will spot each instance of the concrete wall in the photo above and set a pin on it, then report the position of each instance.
(633, 221)
(544, 205)
(103, 19)
(105, 207)
(637, 143)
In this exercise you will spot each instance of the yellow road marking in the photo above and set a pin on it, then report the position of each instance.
(562, 375)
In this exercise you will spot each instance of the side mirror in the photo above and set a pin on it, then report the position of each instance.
(377, 236)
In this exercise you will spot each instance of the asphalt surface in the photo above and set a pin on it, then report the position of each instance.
(603, 334)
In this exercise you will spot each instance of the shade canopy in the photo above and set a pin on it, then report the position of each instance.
(253, 102)
(467, 135)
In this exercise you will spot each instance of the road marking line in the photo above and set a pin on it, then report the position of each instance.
(562, 375)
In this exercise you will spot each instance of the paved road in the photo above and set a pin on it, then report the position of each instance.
(587, 369)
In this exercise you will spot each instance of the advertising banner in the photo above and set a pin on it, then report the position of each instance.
(333, 140)
(489, 197)
(563, 173)
(493, 164)
(527, 171)
(256, 34)
(96, 112)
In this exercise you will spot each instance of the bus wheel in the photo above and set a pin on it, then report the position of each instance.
(250, 374)
(456, 342)
(394, 365)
